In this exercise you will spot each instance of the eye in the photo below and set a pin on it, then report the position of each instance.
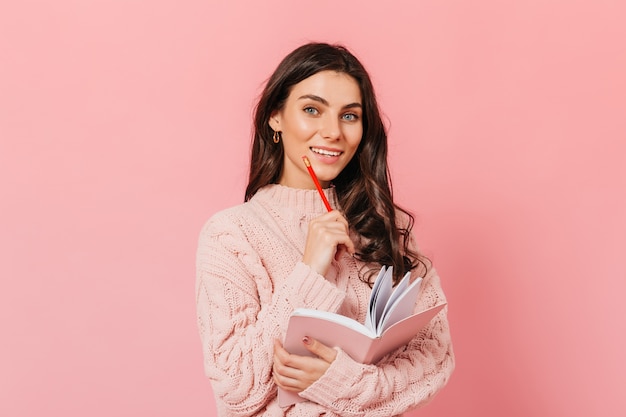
(350, 117)
(310, 110)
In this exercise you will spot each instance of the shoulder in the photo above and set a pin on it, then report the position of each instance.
(250, 220)
(227, 235)
(232, 220)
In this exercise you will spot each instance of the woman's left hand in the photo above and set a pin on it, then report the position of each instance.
(296, 373)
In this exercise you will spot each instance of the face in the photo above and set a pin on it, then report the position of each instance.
(321, 119)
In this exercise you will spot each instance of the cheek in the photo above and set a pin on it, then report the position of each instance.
(299, 125)
(355, 136)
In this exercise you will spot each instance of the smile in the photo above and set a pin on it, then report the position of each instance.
(325, 152)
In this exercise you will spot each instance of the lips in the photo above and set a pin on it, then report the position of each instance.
(325, 152)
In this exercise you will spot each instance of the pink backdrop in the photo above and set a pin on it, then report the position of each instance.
(125, 124)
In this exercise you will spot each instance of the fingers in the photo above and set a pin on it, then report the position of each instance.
(345, 241)
(327, 238)
(284, 376)
(319, 349)
(296, 373)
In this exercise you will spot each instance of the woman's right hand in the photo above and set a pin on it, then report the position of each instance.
(327, 237)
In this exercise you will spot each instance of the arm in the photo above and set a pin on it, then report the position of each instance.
(239, 316)
(404, 380)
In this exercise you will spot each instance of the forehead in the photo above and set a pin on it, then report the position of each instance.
(335, 87)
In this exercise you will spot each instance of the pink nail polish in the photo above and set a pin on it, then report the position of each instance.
(306, 340)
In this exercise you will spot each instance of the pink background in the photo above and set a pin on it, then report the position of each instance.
(125, 124)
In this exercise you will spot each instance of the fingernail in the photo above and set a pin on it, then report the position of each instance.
(306, 340)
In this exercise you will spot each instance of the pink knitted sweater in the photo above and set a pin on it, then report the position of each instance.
(250, 278)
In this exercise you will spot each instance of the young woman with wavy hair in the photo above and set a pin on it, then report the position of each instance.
(363, 187)
(282, 249)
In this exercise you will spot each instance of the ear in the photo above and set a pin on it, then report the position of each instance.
(274, 121)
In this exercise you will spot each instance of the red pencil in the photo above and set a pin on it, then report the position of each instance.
(317, 183)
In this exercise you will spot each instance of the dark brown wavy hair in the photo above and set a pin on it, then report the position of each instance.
(364, 187)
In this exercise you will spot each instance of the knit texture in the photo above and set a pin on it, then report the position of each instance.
(250, 278)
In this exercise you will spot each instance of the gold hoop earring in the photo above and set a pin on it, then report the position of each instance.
(276, 137)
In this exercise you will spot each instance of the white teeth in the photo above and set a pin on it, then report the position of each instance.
(325, 152)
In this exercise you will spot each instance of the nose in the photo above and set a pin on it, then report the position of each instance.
(330, 128)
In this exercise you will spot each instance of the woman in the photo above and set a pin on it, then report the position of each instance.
(282, 250)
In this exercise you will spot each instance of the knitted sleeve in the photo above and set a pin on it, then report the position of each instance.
(239, 317)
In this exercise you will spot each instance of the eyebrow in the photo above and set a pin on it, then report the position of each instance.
(325, 102)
